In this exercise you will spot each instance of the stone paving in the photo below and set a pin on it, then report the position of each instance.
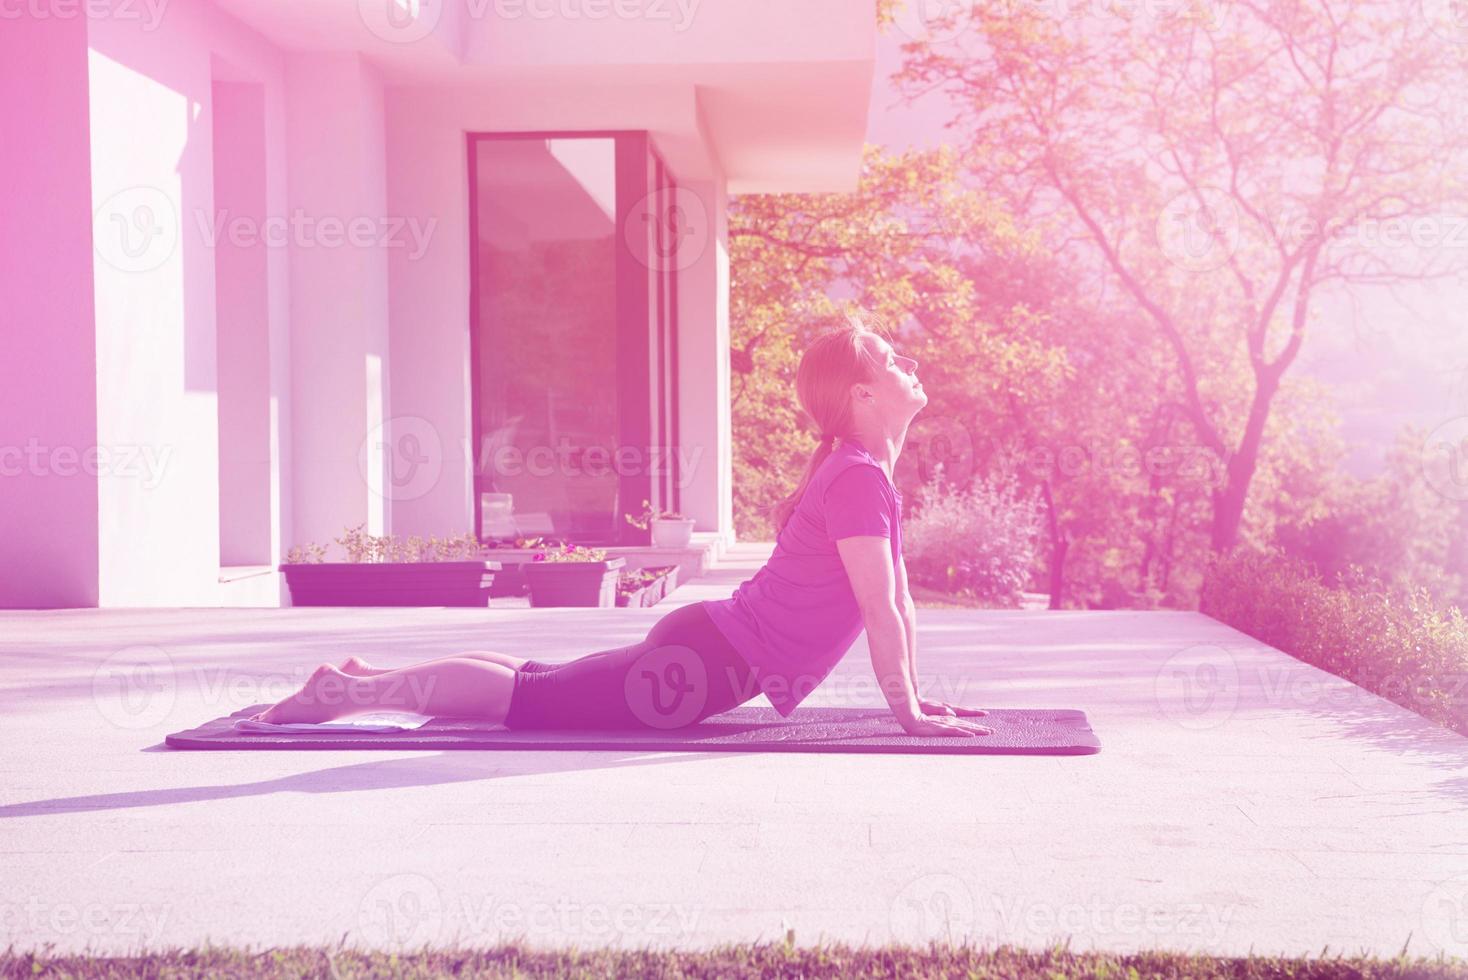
(1241, 801)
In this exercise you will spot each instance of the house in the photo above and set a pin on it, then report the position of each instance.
(273, 268)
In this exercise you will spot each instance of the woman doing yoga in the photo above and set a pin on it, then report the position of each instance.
(836, 569)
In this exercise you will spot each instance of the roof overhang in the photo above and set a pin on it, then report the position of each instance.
(772, 95)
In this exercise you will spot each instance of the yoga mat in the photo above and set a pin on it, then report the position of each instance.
(1017, 731)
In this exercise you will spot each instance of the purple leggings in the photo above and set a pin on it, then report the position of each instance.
(684, 671)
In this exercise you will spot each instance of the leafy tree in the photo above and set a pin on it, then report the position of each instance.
(1221, 164)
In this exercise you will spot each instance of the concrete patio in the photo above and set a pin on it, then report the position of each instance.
(1241, 801)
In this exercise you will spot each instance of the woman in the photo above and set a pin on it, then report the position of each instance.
(836, 569)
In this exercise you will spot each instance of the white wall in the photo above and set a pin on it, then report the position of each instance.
(151, 154)
(48, 406)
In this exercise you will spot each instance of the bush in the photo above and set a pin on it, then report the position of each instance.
(1393, 640)
(981, 540)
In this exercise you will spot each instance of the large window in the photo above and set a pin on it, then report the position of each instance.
(573, 335)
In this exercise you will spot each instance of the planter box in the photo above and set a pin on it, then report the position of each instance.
(509, 581)
(653, 592)
(573, 583)
(666, 582)
(637, 598)
(421, 583)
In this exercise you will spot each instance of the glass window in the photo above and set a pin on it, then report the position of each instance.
(573, 336)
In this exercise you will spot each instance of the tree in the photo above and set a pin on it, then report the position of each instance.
(891, 248)
(1251, 152)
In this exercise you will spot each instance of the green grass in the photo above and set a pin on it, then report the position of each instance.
(773, 960)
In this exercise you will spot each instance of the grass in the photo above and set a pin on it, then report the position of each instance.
(768, 960)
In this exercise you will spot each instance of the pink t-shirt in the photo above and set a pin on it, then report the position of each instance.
(796, 617)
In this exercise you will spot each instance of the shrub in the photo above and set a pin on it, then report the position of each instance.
(1393, 640)
(980, 540)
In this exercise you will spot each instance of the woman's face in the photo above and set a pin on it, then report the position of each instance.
(897, 389)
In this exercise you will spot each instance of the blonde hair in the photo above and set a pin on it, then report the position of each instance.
(834, 361)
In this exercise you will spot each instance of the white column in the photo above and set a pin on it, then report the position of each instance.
(339, 298)
(48, 375)
(703, 372)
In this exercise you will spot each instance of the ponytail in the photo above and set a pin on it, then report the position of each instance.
(782, 510)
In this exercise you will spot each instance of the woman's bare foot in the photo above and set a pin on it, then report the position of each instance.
(322, 698)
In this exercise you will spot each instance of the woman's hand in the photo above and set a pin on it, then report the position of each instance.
(944, 708)
(942, 725)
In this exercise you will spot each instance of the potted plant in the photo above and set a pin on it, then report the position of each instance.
(572, 575)
(390, 571)
(670, 529)
(646, 586)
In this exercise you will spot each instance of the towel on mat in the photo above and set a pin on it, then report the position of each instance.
(377, 721)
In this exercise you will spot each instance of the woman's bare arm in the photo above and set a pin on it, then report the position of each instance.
(868, 563)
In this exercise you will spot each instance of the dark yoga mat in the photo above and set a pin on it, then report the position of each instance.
(1017, 731)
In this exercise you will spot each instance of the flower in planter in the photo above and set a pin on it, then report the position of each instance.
(520, 541)
(635, 579)
(309, 554)
(364, 548)
(648, 515)
(571, 552)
